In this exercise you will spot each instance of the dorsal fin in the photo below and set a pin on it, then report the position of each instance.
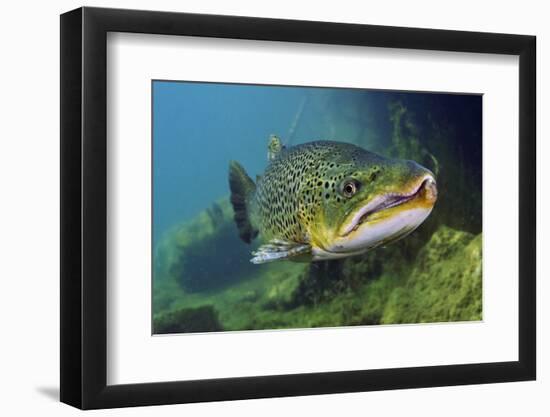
(274, 147)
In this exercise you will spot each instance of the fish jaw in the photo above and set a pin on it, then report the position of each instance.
(320, 254)
(371, 235)
(384, 219)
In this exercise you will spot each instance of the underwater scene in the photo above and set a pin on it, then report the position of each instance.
(282, 207)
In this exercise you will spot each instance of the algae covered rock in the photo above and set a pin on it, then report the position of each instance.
(204, 253)
(445, 283)
(319, 282)
(188, 320)
(280, 295)
(436, 278)
(441, 282)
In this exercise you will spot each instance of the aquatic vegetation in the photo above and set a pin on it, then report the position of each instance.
(188, 320)
(441, 283)
(451, 150)
(445, 283)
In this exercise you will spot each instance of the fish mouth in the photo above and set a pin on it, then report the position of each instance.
(425, 189)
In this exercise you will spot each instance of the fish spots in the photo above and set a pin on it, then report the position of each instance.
(301, 183)
(374, 172)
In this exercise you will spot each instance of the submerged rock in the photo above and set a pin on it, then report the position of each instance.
(188, 320)
(445, 283)
(431, 279)
(204, 253)
(319, 282)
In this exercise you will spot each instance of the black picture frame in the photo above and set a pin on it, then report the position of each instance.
(84, 207)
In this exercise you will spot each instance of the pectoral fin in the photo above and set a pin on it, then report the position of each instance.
(278, 249)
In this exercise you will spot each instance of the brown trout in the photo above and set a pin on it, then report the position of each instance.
(327, 200)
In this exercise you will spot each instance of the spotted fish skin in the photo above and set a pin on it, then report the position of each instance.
(299, 206)
(297, 184)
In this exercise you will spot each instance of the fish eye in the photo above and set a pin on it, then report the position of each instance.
(349, 188)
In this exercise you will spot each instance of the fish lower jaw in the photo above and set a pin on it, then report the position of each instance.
(371, 235)
(319, 254)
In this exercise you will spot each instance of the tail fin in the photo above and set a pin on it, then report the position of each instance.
(241, 186)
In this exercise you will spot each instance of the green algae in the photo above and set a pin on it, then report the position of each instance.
(445, 283)
(188, 320)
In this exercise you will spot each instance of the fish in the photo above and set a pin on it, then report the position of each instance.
(325, 200)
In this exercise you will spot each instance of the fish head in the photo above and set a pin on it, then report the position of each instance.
(370, 201)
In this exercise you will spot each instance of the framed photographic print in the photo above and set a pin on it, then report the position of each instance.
(260, 207)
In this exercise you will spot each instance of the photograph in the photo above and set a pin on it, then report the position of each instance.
(328, 203)
(296, 207)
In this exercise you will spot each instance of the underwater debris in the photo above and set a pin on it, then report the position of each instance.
(188, 320)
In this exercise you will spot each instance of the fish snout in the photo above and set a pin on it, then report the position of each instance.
(429, 189)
